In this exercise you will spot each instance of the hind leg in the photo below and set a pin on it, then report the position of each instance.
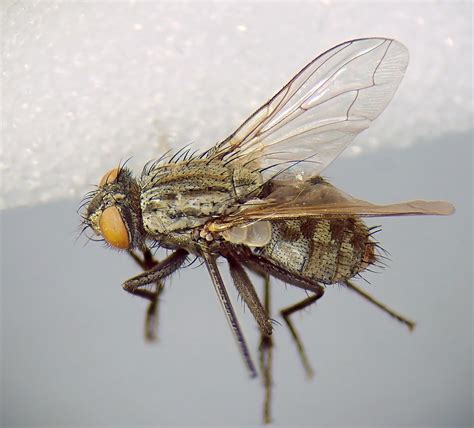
(409, 323)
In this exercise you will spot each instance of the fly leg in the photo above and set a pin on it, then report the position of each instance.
(266, 267)
(148, 262)
(154, 273)
(409, 323)
(160, 271)
(151, 318)
(266, 357)
(261, 314)
(286, 313)
(226, 304)
(249, 295)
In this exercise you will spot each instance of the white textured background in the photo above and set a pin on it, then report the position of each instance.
(86, 84)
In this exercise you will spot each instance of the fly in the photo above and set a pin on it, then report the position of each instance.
(257, 199)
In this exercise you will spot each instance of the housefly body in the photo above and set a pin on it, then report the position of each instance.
(257, 199)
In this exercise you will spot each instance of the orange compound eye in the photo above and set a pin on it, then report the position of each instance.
(113, 228)
(109, 177)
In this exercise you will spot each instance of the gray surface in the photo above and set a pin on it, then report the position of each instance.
(73, 351)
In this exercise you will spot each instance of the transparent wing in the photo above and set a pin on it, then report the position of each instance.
(313, 118)
(325, 201)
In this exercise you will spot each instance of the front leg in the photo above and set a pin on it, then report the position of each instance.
(160, 271)
(151, 319)
(148, 262)
(157, 271)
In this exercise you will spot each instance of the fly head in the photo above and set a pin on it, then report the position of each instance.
(114, 210)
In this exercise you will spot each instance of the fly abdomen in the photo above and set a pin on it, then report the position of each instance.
(327, 251)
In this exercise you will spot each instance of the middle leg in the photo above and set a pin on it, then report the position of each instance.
(249, 295)
(264, 266)
(226, 304)
(266, 357)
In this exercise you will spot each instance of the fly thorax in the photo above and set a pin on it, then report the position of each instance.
(247, 183)
(180, 197)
